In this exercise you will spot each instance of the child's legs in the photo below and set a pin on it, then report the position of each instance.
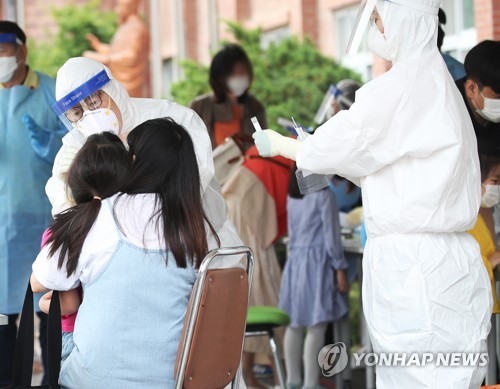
(314, 342)
(67, 345)
(293, 343)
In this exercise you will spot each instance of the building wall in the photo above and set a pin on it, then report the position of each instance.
(487, 19)
(325, 22)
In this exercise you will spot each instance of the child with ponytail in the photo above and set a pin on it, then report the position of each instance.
(101, 169)
(135, 254)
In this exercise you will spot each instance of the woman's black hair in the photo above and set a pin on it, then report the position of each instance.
(482, 65)
(100, 169)
(293, 186)
(223, 65)
(165, 164)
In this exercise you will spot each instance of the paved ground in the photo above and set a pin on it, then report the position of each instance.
(358, 380)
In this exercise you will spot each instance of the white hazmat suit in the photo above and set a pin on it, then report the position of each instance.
(409, 142)
(135, 111)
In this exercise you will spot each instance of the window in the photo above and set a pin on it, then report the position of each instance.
(459, 29)
(468, 9)
(459, 14)
(274, 36)
(167, 76)
(362, 62)
(344, 24)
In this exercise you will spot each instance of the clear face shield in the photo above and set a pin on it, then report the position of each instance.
(362, 22)
(87, 109)
(326, 110)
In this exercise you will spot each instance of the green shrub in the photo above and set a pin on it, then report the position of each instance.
(74, 22)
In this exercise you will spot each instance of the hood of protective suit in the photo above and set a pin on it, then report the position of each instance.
(78, 70)
(410, 27)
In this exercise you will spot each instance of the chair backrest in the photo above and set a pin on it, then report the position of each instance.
(212, 339)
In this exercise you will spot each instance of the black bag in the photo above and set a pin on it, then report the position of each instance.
(23, 357)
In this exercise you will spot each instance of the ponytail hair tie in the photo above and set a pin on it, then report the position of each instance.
(97, 198)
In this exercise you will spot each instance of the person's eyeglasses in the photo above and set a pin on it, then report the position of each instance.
(92, 102)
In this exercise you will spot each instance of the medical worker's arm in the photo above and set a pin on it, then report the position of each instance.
(45, 142)
(270, 144)
(375, 132)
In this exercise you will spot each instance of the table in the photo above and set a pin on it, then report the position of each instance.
(352, 245)
(4, 320)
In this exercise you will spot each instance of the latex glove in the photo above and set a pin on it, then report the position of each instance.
(64, 160)
(45, 143)
(270, 143)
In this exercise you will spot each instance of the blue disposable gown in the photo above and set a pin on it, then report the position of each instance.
(24, 207)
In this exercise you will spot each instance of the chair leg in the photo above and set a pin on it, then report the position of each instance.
(277, 360)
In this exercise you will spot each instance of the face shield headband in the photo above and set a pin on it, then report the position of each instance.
(10, 38)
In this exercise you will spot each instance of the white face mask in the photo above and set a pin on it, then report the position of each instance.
(491, 110)
(377, 44)
(491, 196)
(8, 66)
(238, 85)
(100, 120)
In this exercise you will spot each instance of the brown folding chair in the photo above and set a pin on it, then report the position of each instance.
(214, 329)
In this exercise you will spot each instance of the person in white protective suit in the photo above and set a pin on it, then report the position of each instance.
(90, 101)
(424, 287)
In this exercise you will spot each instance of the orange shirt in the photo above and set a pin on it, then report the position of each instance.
(223, 130)
(275, 177)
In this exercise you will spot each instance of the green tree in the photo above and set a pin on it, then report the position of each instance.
(74, 22)
(291, 77)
